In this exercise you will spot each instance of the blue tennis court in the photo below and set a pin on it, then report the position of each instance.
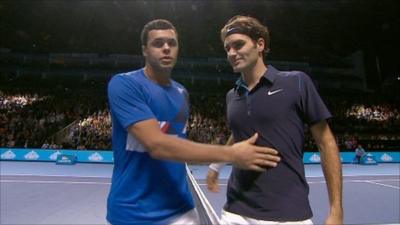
(46, 193)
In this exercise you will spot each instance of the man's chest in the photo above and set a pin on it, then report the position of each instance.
(265, 105)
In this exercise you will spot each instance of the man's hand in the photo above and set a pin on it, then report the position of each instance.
(248, 156)
(212, 180)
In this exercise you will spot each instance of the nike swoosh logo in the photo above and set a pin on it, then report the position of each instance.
(274, 92)
(230, 29)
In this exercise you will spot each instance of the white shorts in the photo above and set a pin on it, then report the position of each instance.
(189, 218)
(228, 218)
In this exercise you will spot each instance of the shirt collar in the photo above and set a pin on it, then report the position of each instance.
(270, 75)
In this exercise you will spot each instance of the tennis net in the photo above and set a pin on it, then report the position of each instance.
(206, 212)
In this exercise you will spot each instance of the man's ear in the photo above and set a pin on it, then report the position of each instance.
(144, 50)
(261, 45)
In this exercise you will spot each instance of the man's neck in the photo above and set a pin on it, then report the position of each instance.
(253, 75)
(161, 77)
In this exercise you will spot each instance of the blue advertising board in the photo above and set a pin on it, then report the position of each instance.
(86, 156)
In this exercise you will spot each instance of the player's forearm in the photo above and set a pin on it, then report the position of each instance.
(173, 148)
(331, 164)
(217, 166)
(332, 169)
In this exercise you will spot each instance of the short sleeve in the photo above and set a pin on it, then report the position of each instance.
(127, 101)
(313, 107)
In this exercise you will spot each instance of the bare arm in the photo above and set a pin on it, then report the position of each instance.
(162, 146)
(332, 168)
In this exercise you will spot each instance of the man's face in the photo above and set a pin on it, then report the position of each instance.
(161, 50)
(242, 52)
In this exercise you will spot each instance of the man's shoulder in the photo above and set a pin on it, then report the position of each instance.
(125, 83)
(295, 77)
(230, 94)
(135, 74)
(131, 76)
(292, 74)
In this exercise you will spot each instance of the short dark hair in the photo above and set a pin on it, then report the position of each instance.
(158, 24)
(248, 26)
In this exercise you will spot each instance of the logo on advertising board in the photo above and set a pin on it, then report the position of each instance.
(8, 155)
(96, 157)
(315, 158)
(386, 158)
(32, 155)
(54, 155)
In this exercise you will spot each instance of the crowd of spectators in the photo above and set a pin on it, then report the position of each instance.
(207, 130)
(31, 114)
(28, 118)
(383, 112)
(207, 121)
(92, 132)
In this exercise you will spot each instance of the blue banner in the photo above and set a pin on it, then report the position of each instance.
(348, 157)
(26, 154)
(23, 154)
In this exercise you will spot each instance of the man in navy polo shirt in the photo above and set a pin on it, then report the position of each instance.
(149, 114)
(276, 105)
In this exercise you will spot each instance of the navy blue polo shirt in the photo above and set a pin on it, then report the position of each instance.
(277, 108)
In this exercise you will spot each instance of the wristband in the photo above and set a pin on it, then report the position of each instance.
(216, 166)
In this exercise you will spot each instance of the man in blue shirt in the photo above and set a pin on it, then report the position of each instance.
(149, 113)
(276, 105)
